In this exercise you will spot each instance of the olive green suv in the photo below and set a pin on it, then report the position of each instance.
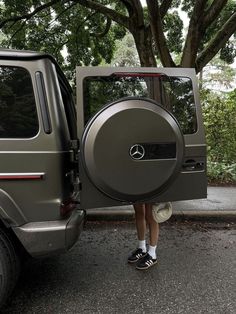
(135, 135)
(38, 162)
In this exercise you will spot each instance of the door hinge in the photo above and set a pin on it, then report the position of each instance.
(74, 145)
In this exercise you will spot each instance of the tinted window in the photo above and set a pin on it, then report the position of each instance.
(69, 108)
(173, 93)
(18, 115)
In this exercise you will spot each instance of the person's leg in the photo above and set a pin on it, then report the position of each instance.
(150, 259)
(140, 221)
(152, 225)
(141, 231)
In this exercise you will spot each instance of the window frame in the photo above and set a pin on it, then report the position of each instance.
(151, 83)
(36, 117)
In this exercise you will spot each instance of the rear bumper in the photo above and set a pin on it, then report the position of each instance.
(50, 237)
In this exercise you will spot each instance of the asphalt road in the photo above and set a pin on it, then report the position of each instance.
(196, 273)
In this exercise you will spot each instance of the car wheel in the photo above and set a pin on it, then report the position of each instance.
(9, 267)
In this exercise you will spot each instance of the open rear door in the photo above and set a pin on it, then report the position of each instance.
(141, 136)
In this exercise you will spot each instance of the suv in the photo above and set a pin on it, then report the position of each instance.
(136, 136)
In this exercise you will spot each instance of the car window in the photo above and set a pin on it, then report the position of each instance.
(69, 107)
(173, 93)
(18, 115)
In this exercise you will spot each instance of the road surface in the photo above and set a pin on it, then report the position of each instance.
(195, 273)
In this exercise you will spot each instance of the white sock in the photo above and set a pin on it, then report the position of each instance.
(152, 251)
(142, 245)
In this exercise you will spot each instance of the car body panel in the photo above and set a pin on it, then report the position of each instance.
(36, 173)
(191, 181)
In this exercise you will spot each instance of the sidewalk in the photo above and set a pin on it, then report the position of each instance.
(219, 205)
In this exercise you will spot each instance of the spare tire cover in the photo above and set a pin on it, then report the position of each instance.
(132, 149)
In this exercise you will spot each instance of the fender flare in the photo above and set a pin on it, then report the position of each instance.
(10, 212)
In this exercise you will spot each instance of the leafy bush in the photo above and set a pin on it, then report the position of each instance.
(219, 112)
(220, 172)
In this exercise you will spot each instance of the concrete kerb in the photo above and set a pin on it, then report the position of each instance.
(220, 205)
(127, 214)
(203, 215)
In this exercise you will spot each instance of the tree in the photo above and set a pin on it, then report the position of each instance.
(219, 112)
(218, 76)
(157, 29)
(62, 28)
(125, 54)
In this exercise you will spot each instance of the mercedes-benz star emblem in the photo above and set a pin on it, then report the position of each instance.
(137, 151)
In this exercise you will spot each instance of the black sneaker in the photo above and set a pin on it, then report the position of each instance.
(146, 262)
(136, 255)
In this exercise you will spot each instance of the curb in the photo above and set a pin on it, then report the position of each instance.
(206, 215)
(127, 214)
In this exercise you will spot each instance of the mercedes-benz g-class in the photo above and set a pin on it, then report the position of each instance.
(135, 135)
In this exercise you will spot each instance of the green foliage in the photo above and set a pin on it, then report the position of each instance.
(173, 26)
(220, 124)
(76, 35)
(70, 32)
(125, 54)
(228, 52)
(218, 73)
(220, 172)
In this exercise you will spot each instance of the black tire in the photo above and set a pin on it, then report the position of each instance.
(9, 267)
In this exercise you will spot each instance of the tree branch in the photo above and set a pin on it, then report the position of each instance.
(164, 7)
(59, 48)
(105, 31)
(61, 13)
(84, 21)
(218, 42)
(193, 37)
(213, 11)
(17, 31)
(113, 15)
(128, 6)
(135, 10)
(29, 15)
(158, 33)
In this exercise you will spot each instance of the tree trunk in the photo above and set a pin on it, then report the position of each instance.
(143, 42)
(158, 33)
(194, 36)
(201, 79)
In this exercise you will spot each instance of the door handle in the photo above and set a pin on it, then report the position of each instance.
(193, 165)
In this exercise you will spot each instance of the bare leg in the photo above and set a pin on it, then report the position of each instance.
(150, 259)
(140, 220)
(152, 225)
(141, 232)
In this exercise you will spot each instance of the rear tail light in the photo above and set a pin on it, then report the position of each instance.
(67, 207)
(134, 74)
